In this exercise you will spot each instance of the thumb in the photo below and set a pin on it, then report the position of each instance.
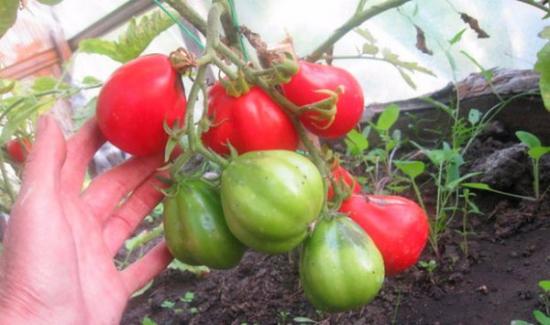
(43, 166)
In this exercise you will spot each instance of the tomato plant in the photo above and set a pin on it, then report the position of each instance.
(195, 229)
(340, 266)
(137, 100)
(304, 87)
(18, 149)
(250, 122)
(340, 174)
(398, 226)
(270, 197)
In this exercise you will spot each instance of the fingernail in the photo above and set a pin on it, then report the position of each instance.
(42, 123)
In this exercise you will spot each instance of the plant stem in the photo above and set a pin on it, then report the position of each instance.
(187, 12)
(536, 178)
(355, 21)
(418, 195)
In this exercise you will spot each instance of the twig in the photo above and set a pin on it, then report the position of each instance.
(537, 5)
(355, 21)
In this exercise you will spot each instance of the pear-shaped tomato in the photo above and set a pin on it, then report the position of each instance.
(398, 226)
(303, 89)
(137, 100)
(340, 267)
(250, 122)
(195, 228)
(270, 197)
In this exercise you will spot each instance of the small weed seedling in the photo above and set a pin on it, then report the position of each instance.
(148, 321)
(430, 267)
(542, 317)
(535, 152)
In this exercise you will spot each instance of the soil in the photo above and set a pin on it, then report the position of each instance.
(495, 283)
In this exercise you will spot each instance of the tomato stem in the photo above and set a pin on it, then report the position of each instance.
(354, 21)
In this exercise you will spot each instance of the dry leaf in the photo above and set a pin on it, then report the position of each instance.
(474, 24)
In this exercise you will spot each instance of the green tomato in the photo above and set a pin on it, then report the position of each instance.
(340, 266)
(270, 197)
(49, 2)
(195, 228)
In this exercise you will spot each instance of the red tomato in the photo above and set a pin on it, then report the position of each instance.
(250, 122)
(398, 227)
(341, 174)
(302, 90)
(136, 101)
(18, 149)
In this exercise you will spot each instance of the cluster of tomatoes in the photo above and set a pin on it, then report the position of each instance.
(269, 198)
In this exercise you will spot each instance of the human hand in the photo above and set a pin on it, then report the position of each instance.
(57, 266)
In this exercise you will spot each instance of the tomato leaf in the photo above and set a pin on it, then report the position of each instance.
(388, 117)
(529, 139)
(356, 143)
(411, 168)
(543, 67)
(139, 34)
(8, 14)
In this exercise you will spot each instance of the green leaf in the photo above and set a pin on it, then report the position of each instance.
(370, 49)
(529, 139)
(168, 304)
(457, 37)
(139, 34)
(188, 297)
(538, 152)
(453, 184)
(148, 321)
(541, 317)
(388, 117)
(300, 319)
(545, 285)
(545, 34)
(366, 35)
(8, 14)
(43, 84)
(407, 78)
(411, 168)
(479, 186)
(91, 81)
(6, 86)
(474, 116)
(356, 143)
(487, 74)
(543, 67)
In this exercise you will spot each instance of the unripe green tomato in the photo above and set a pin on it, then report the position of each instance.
(50, 2)
(340, 267)
(195, 228)
(269, 198)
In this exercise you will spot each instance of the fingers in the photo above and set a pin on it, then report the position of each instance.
(106, 191)
(139, 273)
(125, 219)
(43, 166)
(81, 148)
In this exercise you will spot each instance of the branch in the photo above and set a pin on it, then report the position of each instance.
(537, 5)
(187, 12)
(355, 21)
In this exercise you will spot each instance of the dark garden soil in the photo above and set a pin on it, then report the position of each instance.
(508, 253)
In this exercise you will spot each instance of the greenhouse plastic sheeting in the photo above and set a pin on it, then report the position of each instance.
(512, 26)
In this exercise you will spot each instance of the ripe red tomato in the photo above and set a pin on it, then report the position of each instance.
(250, 122)
(136, 101)
(302, 90)
(18, 149)
(341, 174)
(398, 227)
